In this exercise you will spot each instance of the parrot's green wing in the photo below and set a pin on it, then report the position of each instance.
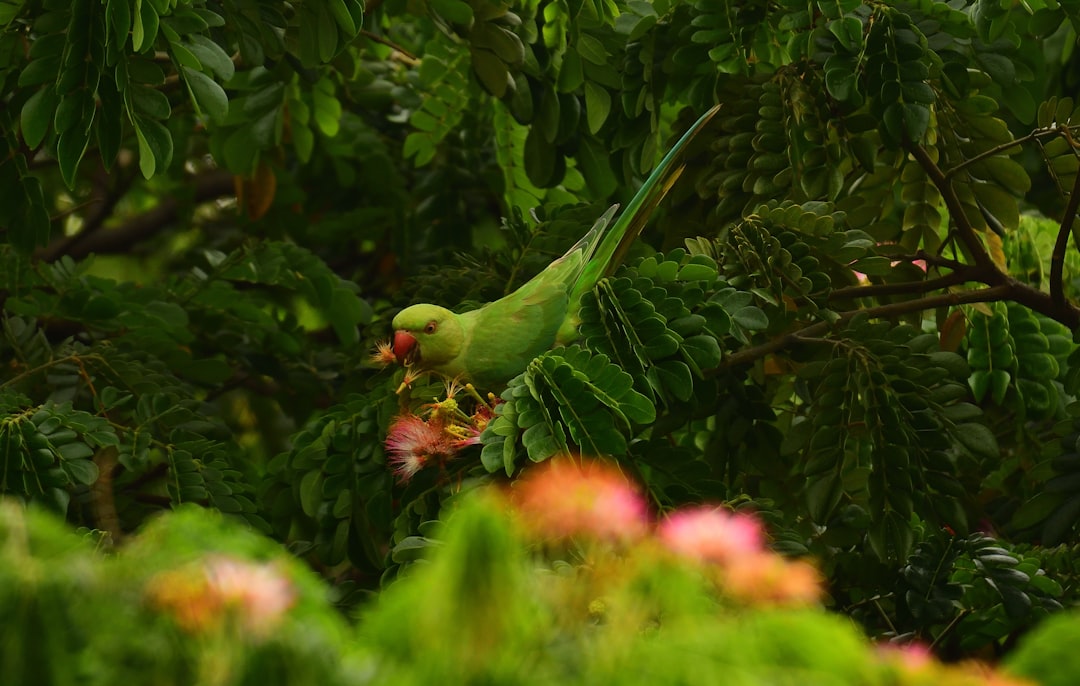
(504, 335)
(609, 254)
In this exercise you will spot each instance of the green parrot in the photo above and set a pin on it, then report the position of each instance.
(490, 345)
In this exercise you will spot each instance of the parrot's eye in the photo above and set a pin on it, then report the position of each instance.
(430, 328)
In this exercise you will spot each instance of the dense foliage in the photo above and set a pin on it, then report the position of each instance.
(853, 314)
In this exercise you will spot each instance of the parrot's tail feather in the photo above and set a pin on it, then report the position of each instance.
(610, 251)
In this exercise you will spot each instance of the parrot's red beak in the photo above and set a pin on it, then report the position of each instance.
(404, 345)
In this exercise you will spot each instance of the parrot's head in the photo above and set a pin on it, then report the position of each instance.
(427, 335)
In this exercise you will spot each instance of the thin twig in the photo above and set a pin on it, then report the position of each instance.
(945, 632)
(412, 59)
(1002, 147)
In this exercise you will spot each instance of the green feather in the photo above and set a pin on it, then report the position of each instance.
(490, 345)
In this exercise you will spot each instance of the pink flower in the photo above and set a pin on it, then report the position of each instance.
(200, 597)
(566, 498)
(711, 534)
(413, 443)
(383, 355)
(260, 592)
(908, 656)
(765, 578)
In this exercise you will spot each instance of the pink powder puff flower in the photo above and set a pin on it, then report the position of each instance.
(260, 592)
(765, 578)
(908, 656)
(413, 443)
(711, 534)
(564, 498)
(199, 597)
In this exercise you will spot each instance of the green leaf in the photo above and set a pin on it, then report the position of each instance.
(328, 42)
(891, 537)
(595, 166)
(35, 228)
(145, 27)
(149, 102)
(342, 16)
(540, 443)
(209, 96)
(592, 50)
(311, 492)
(37, 115)
(75, 451)
(823, 494)
(82, 471)
(978, 439)
(346, 312)
(750, 318)
(155, 146)
(70, 148)
(212, 56)
(540, 158)
(502, 43)
(454, 10)
(703, 350)
(492, 72)
(597, 106)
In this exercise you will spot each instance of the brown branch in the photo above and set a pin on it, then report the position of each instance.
(120, 239)
(103, 502)
(1057, 258)
(963, 226)
(1066, 313)
(99, 208)
(906, 288)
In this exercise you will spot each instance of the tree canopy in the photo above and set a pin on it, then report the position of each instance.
(853, 314)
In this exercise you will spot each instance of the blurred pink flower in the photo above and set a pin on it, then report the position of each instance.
(914, 663)
(566, 498)
(200, 597)
(260, 592)
(711, 534)
(909, 656)
(765, 578)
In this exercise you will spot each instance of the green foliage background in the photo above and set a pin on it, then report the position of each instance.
(853, 314)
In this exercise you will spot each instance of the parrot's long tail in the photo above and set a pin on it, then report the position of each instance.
(617, 240)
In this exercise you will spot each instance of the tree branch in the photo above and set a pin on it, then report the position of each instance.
(963, 226)
(120, 239)
(1066, 313)
(906, 288)
(1057, 258)
(99, 207)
